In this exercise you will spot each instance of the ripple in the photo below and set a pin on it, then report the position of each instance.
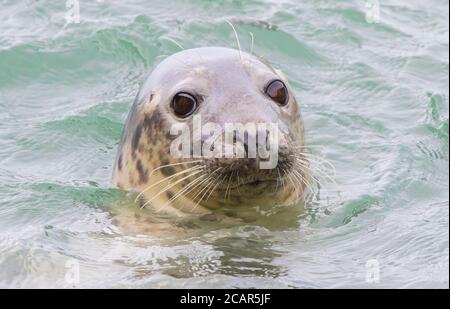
(375, 96)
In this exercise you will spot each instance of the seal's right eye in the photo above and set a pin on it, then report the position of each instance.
(278, 92)
(183, 104)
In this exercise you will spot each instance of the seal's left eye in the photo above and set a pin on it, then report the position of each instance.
(278, 92)
(183, 104)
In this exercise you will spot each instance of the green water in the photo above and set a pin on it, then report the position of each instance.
(375, 95)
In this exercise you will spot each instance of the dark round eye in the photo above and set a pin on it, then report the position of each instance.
(183, 104)
(278, 92)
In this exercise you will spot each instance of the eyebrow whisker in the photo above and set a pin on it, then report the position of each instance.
(253, 42)
(173, 41)
(237, 39)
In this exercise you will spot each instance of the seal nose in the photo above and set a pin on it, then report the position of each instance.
(251, 143)
(280, 143)
(255, 143)
(256, 148)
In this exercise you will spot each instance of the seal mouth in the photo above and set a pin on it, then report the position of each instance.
(252, 183)
(236, 174)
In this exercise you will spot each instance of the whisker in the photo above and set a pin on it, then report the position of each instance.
(278, 178)
(207, 180)
(295, 185)
(284, 181)
(186, 190)
(253, 42)
(162, 56)
(301, 177)
(229, 189)
(238, 182)
(307, 146)
(306, 165)
(205, 188)
(237, 39)
(288, 175)
(226, 188)
(170, 186)
(213, 189)
(210, 185)
(318, 164)
(165, 179)
(205, 184)
(307, 155)
(305, 180)
(315, 166)
(230, 176)
(173, 164)
(173, 41)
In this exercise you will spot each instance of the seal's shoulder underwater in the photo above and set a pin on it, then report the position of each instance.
(242, 113)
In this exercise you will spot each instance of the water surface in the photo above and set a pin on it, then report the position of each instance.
(375, 95)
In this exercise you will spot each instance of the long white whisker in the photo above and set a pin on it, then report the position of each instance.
(230, 176)
(295, 185)
(165, 179)
(308, 146)
(205, 183)
(290, 179)
(213, 189)
(315, 166)
(173, 41)
(186, 190)
(205, 188)
(278, 178)
(305, 180)
(237, 39)
(253, 42)
(238, 182)
(306, 155)
(210, 176)
(206, 191)
(308, 159)
(170, 186)
(172, 164)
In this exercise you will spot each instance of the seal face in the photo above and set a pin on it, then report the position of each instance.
(219, 87)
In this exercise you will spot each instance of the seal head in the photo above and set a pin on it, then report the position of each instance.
(213, 127)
